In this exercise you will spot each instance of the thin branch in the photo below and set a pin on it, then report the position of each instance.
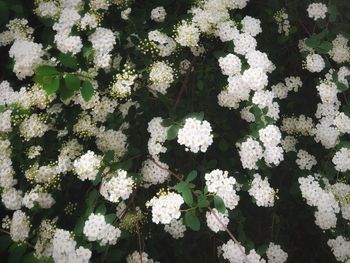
(184, 83)
(213, 212)
(166, 169)
(230, 234)
(139, 239)
(8, 233)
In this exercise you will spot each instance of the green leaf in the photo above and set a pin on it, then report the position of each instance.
(191, 176)
(16, 253)
(91, 198)
(197, 115)
(172, 132)
(30, 258)
(5, 242)
(341, 86)
(4, 13)
(333, 12)
(72, 82)
(110, 218)
(66, 93)
(68, 61)
(202, 201)
(87, 90)
(79, 227)
(101, 209)
(108, 156)
(52, 85)
(185, 190)
(191, 220)
(219, 204)
(167, 122)
(46, 70)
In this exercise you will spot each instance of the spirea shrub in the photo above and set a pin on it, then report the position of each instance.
(174, 131)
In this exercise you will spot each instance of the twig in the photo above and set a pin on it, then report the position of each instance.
(128, 205)
(184, 83)
(305, 28)
(8, 233)
(230, 234)
(139, 239)
(166, 169)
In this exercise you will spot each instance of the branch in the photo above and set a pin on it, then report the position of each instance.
(178, 177)
(184, 83)
(139, 239)
(8, 233)
(230, 234)
(211, 210)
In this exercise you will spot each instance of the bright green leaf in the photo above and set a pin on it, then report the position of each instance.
(52, 84)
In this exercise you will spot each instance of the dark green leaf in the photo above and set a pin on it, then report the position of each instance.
(342, 86)
(191, 176)
(79, 227)
(110, 218)
(101, 209)
(87, 90)
(72, 82)
(172, 132)
(197, 115)
(5, 242)
(185, 190)
(108, 157)
(202, 201)
(4, 13)
(68, 61)
(91, 198)
(16, 253)
(219, 204)
(191, 220)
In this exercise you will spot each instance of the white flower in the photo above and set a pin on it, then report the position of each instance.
(261, 190)
(314, 63)
(250, 152)
(222, 185)
(20, 226)
(176, 228)
(158, 14)
(275, 254)
(317, 11)
(195, 135)
(96, 229)
(87, 165)
(27, 56)
(116, 187)
(166, 207)
(187, 35)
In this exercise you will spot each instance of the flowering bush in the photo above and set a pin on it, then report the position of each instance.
(174, 131)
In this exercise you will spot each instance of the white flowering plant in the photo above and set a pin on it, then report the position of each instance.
(174, 131)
